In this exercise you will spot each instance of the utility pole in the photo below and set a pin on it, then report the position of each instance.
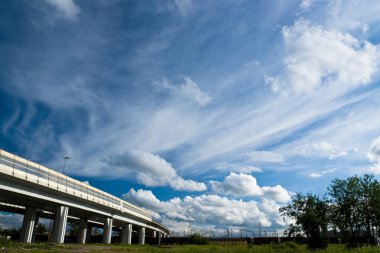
(64, 163)
(259, 229)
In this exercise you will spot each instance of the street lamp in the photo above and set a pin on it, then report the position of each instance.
(64, 163)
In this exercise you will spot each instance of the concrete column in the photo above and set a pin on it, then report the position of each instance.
(126, 234)
(107, 233)
(82, 230)
(28, 225)
(154, 234)
(142, 235)
(159, 238)
(60, 222)
(89, 232)
(35, 229)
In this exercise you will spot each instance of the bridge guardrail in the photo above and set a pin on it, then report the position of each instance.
(21, 168)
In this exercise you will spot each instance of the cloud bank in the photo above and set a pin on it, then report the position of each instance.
(208, 210)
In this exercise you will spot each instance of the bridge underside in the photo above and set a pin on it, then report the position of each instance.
(34, 203)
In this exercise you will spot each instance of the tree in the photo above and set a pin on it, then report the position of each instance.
(311, 215)
(355, 204)
(73, 228)
(41, 228)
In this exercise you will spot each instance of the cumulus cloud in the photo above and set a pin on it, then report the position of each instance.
(276, 193)
(204, 210)
(152, 170)
(264, 157)
(374, 156)
(69, 9)
(237, 185)
(189, 89)
(318, 57)
(243, 185)
(321, 148)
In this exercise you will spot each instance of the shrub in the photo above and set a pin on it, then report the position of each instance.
(197, 239)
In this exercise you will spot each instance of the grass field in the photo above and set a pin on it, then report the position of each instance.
(6, 246)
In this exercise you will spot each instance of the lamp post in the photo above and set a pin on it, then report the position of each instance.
(64, 163)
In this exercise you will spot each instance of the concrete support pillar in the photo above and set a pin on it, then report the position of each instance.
(107, 233)
(89, 232)
(60, 222)
(142, 235)
(154, 234)
(35, 229)
(82, 230)
(159, 238)
(126, 234)
(28, 225)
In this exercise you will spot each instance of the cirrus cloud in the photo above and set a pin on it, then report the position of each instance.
(69, 9)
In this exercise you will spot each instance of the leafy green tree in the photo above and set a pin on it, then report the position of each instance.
(197, 239)
(355, 204)
(41, 228)
(73, 228)
(311, 215)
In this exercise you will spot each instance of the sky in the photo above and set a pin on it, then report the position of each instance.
(210, 114)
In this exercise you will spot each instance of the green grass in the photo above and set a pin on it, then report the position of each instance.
(6, 246)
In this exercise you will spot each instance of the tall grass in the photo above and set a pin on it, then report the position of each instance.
(288, 247)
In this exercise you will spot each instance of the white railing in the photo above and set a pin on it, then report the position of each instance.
(21, 168)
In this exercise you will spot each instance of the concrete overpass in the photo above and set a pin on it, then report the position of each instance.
(36, 191)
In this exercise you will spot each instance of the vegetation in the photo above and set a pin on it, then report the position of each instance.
(351, 208)
(41, 228)
(311, 215)
(197, 239)
(288, 247)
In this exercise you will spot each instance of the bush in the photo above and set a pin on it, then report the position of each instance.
(197, 239)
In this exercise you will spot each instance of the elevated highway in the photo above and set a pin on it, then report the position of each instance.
(32, 189)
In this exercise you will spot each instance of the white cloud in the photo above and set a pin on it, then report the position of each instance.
(275, 83)
(192, 90)
(237, 185)
(247, 169)
(352, 14)
(184, 6)
(243, 185)
(151, 170)
(69, 9)
(189, 89)
(9, 220)
(374, 156)
(321, 148)
(276, 193)
(206, 210)
(264, 157)
(306, 5)
(320, 57)
(317, 174)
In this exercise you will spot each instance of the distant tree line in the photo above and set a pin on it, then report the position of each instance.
(350, 209)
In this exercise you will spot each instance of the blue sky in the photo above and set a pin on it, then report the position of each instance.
(208, 113)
